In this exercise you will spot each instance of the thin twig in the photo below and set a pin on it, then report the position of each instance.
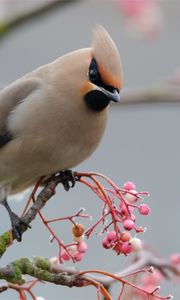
(165, 93)
(47, 192)
(12, 24)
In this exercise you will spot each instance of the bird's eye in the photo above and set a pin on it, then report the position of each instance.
(94, 75)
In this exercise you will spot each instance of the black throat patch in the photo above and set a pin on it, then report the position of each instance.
(96, 100)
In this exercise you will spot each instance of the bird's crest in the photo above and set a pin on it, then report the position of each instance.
(107, 56)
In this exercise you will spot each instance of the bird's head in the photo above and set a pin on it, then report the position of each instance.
(104, 74)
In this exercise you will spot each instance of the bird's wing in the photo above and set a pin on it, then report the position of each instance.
(10, 97)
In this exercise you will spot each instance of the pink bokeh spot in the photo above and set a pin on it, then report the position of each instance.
(142, 17)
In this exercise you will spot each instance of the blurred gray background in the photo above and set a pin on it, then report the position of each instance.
(141, 142)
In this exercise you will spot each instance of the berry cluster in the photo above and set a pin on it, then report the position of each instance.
(117, 219)
(121, 240)
(76, 251)
(126, 244)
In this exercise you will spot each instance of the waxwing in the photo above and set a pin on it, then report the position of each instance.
(53, 118)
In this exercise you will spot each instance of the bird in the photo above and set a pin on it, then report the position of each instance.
(53, 118)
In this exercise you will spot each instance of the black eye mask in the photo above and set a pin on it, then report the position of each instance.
(98, 99)
(95, 77)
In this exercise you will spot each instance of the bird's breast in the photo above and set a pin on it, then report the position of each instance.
(81, 137)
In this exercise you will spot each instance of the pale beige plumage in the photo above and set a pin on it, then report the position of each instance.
(54, 117)
(51, 131)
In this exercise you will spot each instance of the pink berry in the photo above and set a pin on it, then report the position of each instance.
(126, 248)
(82, 247)
(131, 197)
(124, 209)
(136, 244)
(118, 248)
(65, 256)
(73, 249)
(144, 209)
(111, 236)
(125, 236)
(105, 243)
(129, 186)
(128, 224)
(79, 256)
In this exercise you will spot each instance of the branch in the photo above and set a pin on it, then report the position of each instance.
(39, 268)
(5, 28)
(47, 192)
(156, 94)
(166, 93)
(46, 270)
(144, 259)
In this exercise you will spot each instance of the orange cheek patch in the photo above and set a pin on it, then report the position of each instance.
(108, 78)
(87, 87)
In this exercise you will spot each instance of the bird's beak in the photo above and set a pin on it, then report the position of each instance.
(112, 95)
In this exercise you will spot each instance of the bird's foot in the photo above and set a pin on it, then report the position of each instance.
(16, 222)
(17, 226)
(67, 179)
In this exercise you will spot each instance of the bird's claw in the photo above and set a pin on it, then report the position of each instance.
(68, 179)
(17, 224)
